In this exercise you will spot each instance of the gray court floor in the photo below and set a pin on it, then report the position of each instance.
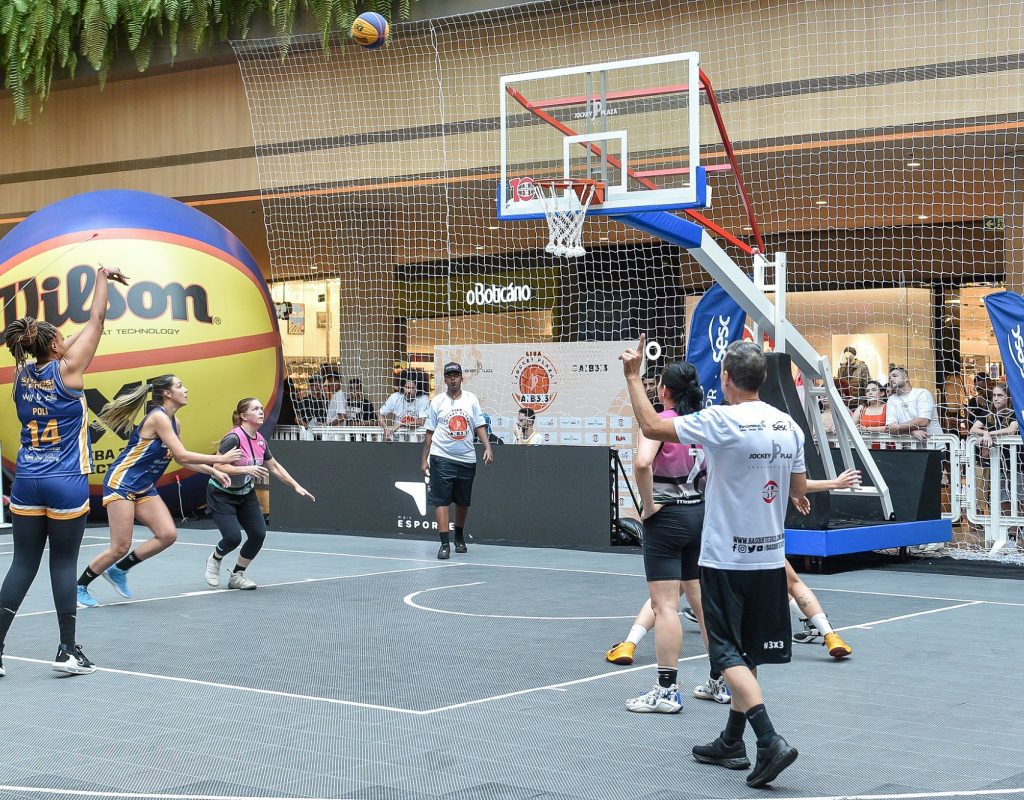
(365, 668)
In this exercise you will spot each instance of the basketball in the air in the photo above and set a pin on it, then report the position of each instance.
(370, 30)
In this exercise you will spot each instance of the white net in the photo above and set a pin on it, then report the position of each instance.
(566, 218)
(879, 143)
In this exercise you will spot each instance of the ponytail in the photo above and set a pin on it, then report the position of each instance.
(683, 385)
(241, 408)
(119, 414)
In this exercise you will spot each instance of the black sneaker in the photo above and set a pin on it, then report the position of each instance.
(730, 756)
(690, 615)
(460, 546)
(2, 672)
(807, 634)
(771, 760)
(73, 661)
(444, 552)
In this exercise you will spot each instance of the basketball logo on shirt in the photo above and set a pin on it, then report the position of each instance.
(407, 419)
(458, 427)
(770, 492)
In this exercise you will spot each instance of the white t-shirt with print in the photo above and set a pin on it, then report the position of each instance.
(406, 411)
(751, 449)
(915, 404)
(337, 407)
(453, 423)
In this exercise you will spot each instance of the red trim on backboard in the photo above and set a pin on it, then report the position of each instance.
(656, 91)
(653, 173)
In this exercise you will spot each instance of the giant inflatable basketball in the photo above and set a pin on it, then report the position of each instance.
(197, 307)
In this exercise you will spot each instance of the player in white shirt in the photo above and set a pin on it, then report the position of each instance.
(407, 407)
(449, 457)
(525, 432)
(755, 456)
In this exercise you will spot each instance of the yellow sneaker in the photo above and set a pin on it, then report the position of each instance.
(837, 648)
(622, 653)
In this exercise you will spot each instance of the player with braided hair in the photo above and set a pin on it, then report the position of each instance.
(50, 495)
(129, 489)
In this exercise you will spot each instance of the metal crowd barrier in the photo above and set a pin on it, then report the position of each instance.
(1004, 471)
(345, 433)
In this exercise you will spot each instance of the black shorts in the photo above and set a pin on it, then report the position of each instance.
(746, 613)
(672, 543)
(450, 482)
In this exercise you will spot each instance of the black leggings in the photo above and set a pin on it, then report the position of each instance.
(31, 535)
(233, 513)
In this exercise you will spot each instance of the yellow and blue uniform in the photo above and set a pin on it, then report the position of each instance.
(134, 473)
(55, 459)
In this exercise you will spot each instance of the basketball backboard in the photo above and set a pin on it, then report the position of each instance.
(633, 125)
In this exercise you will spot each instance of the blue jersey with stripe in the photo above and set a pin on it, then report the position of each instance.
(54, 425)
(142, 461)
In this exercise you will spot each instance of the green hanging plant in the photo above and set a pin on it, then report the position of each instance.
(43, 39)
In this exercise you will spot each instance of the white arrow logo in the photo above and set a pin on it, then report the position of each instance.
(417, 490)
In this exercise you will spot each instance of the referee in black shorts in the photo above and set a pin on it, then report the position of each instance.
(755, 457)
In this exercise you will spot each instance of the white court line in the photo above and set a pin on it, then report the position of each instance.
(153, 796)
(919, 597)
(250, 689)
(408, 600)
(868, 625)
(212, 591)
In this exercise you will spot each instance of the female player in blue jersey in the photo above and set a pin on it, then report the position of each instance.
(129, 488)
(50, 495)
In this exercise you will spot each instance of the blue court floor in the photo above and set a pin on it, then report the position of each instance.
(365, 668)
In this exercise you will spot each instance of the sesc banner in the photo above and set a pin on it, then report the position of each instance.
(717, 322)
(1006, 310)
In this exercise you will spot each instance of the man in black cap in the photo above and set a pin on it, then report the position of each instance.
(449, 457)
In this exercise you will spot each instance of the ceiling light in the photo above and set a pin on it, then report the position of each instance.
(603, 239)
(821, 202)
(913, 164)
(479, 247)
(747, 228)
(922, 216)
(492, 227)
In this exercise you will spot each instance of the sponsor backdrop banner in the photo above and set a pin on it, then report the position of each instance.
(576, 390)
(716, 323)
(1006, 310)
(387, 494)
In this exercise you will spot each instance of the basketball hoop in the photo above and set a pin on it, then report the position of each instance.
(565, 202)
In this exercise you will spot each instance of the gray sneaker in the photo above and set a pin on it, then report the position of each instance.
(213, 571)
(237, 580)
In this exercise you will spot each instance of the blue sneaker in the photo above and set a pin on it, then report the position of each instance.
(86, 600)
(119, 580)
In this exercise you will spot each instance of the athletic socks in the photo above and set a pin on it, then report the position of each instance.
(763, 728)
(217, 555)
(459, 535)
(734, 727)
(238, 569)
(667, 677)
(87, 577)
(820, 621)
(714, 675)
(636, 634)
(445, 538)
(128, 561)
(66, 622)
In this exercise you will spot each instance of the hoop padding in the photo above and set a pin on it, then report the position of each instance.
(565, 202)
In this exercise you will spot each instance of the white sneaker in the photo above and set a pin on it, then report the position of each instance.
(237, 580)
(213, 571)
(714, 690)
(660, 700)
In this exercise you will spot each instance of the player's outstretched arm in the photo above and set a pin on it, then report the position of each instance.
(652, 426)
(282, 475)
(165, 431)
(847, 479)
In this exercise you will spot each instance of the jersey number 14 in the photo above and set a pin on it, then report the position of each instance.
(50, 434)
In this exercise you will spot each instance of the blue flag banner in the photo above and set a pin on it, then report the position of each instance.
(1006, 310)
(717, 322)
